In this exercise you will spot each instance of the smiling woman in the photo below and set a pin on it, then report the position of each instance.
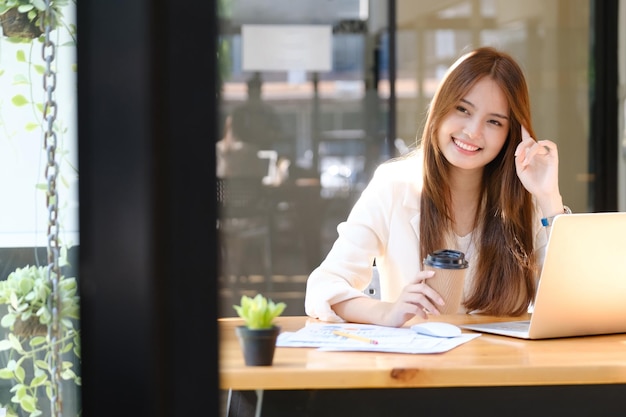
(472, 177)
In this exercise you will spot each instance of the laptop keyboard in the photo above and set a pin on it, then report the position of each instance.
(513, 325)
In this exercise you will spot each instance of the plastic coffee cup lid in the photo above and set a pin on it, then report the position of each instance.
(446, 259)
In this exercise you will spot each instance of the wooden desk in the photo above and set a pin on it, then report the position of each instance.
(488, 361)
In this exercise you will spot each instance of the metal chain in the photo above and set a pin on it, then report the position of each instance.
(52, 203)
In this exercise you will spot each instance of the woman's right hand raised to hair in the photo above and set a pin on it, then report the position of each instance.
(537, 165)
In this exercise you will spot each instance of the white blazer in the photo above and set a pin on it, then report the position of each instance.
(383, 225)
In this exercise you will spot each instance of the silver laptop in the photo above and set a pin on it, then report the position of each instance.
(582, 290)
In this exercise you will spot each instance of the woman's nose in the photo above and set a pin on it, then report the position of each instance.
(473, 129)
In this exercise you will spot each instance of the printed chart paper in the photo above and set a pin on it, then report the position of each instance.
(369, 337)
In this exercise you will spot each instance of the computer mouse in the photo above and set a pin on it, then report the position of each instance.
(437, 329)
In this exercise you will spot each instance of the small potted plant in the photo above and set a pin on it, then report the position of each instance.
(259, 333)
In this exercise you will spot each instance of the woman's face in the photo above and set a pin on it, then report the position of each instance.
(472, 134)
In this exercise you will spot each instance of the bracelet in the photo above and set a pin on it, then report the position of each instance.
(547, 221)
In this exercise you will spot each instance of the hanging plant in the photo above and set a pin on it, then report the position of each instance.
(26, 294)
(23, 19)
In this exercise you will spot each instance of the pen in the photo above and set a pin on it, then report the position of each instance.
(355, 337)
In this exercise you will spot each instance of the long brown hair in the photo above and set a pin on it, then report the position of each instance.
(504, 282)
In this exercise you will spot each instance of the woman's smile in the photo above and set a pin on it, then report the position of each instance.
(465, 146)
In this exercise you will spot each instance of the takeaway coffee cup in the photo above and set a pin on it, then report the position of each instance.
(450, 267)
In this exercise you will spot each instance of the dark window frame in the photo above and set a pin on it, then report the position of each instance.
(147, 120)
(604, 108)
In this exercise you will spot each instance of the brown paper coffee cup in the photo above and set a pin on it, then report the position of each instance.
(450, 269)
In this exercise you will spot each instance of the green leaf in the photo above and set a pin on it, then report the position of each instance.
(40, 69)
(31, 126)
(14, 300)
(20, 55)
(20, 392)
(20, 374)
(6, 374)
(19, 389)
(39, 380)
(15, 343)
(68, 374)
(67, 348)
(24, 8)
(41, 364)
(19, 100)
(37, 340)
(67, 323)
(5, 345)
(39, 4)
(20, 79)
(8, 320)
(28, 403)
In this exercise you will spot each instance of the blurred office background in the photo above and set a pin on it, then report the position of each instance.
(328, 90)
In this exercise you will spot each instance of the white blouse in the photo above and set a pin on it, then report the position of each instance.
(383, 225)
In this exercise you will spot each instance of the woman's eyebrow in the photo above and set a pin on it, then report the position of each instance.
(498, 115)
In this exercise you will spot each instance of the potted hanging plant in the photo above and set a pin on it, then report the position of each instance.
(23, 19)
(26, 294)
(259, 333)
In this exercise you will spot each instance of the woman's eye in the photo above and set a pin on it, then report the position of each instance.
(495, 122)
(462, 109)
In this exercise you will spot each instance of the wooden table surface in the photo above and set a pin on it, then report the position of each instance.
(485, 361)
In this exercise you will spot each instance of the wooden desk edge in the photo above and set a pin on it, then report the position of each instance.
(288, 374)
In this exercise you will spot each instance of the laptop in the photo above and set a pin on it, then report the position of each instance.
(582, 290)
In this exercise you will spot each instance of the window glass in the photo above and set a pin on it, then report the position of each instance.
(540, 34)
(323, 131)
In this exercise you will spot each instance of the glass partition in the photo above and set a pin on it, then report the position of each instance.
(305, 102)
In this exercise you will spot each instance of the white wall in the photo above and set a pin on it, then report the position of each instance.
(23, 212)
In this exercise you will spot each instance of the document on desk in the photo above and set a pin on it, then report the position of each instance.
(370, 338)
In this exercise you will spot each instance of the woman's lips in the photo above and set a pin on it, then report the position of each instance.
(465, 146)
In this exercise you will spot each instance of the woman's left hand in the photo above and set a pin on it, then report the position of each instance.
(537, 165)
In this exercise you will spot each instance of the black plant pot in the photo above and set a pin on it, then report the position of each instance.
(258, 345)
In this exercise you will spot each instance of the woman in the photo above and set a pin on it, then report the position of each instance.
(477, 183)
